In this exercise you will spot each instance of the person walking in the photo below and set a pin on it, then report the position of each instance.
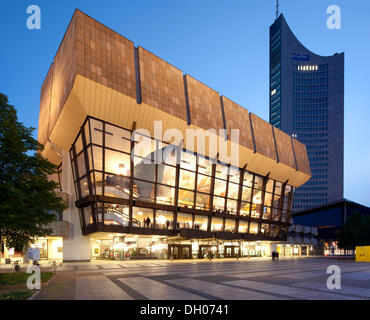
(273, 255)
(148, 222)
(277, 255)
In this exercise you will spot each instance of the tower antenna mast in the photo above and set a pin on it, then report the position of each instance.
(277, 9)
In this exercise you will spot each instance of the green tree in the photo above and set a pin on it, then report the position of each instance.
(27, 198)
(353, 233)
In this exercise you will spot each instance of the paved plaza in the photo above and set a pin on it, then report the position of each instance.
(287, 279)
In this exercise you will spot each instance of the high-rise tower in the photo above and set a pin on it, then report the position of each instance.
(307, 101)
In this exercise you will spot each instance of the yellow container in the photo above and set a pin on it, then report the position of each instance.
(363, 254)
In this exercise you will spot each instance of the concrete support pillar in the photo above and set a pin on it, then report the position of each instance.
(76, 247)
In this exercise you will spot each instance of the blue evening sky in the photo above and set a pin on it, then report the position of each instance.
(223, 43)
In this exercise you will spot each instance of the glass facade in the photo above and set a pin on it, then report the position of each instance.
(128, 191)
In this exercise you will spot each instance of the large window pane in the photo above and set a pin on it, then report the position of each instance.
(266, 213)
(204, 166)
(200, 223)
(234, 174)
(217, 224)
(258, 182)
(233, 190)
(84, 187)
(270, 185)
(116, 215)
(246, 194)
(278, 187)
(218, 203)
(253, 229)
(221, 171)
(248, 179)
(143, 191)
(202, 201)
(220, 187)
(117, 138)
(188, 161)
(170, 154)
(117, 186)
(98, 183)
(166, 174)
(143, 170)
(204, 183)
(187, 179)
(243, 226)
(184, 221)
(96, 131)
(164, 220)
(165, 195)
(244, 209)
(186, 198)
(142, 217)
(98, 158)
(265, 229)
(78, 144)
(268, 199)
(231, 206)
(117, 162)
(144, 147)
(229, 225)
(276, 202)
(87, 215)
(256, 211)
(81, 164)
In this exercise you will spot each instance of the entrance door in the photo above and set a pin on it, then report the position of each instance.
(232, 252)
(178, 251)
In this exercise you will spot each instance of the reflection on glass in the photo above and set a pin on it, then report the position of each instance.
(98, 183)
(186, 198)
(78, 144)
(220, 188)
(142, 217)
(278, 187)
(255, 213)
(144, 147)
(164, 220)
(217, 224)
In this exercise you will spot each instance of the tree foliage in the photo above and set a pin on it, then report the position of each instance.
(27, 197)
(356, 232)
